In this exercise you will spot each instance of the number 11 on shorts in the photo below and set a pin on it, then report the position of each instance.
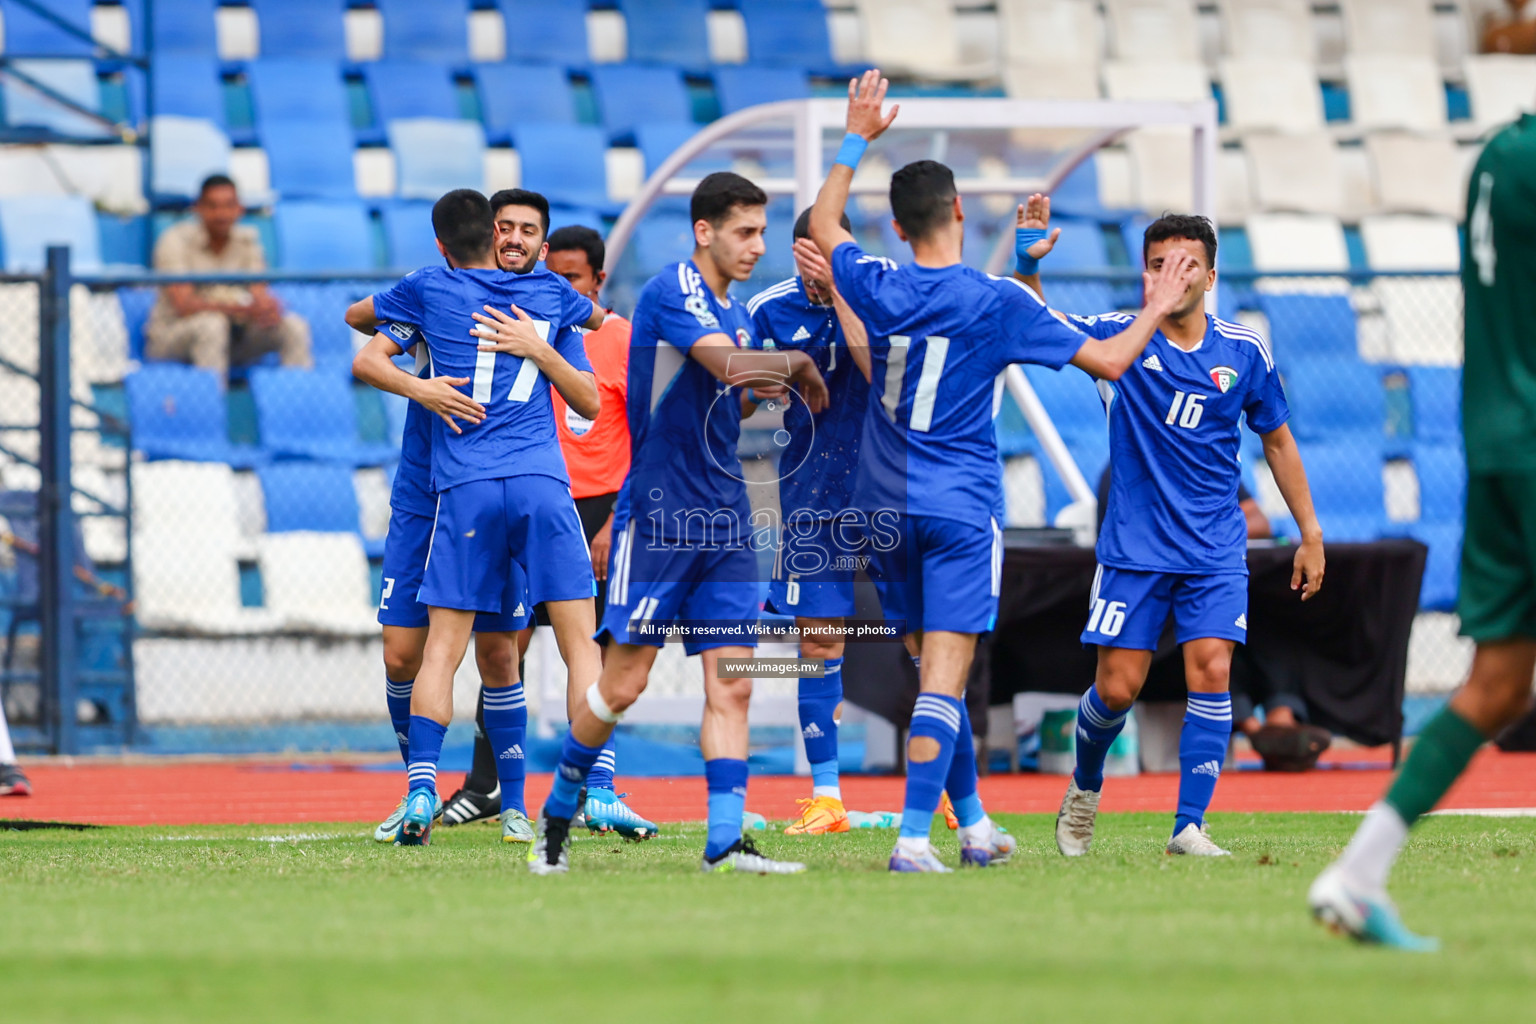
(1108, 617)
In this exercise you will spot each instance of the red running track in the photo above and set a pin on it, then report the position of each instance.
(183, 792)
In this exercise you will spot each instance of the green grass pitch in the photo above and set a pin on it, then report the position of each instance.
(151, 925)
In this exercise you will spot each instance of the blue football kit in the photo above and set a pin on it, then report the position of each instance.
(682, 520)
(929, 479)
(813, 572)
(502, 491)
(1174, 538)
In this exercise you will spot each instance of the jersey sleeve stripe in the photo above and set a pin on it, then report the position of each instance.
(1237, 332)
(771, 292)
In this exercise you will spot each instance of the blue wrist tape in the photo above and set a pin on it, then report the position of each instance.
(851, 151)
(1025, 264)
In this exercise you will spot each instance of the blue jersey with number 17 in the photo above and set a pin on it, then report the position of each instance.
(517, 437)
(938, 338)
(1174, 446)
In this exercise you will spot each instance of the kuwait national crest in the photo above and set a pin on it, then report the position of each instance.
(1224, 377)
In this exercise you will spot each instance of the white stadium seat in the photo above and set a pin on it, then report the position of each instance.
(1162, 168)
(1423, 314)
(1179, 81)
(318, 581)
(1269, 28)
(1403, 242)
(1390, 91)
(434, 155)
(916, 37)
(1416, 173)
(1297, 241)
(187, 499)
(190, 583)
(1500, 86)
(1271, 94)
(1299, 173)
(1403, 28)
(1167, 28)
(1067, 68)
(186, 150)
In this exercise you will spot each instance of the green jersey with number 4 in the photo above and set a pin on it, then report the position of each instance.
(1498, 275)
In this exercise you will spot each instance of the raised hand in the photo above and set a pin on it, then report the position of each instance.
(1034, 217)
(865, 96)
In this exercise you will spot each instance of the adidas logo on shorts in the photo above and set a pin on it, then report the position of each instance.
(1211, 768)
(1242, 621)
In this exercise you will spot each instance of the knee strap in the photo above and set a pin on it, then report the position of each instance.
(600, 708)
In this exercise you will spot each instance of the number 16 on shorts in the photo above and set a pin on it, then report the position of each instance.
(1107, 617)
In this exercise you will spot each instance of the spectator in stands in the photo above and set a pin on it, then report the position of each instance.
(216, 325)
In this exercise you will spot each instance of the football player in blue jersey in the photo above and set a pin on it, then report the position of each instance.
(1174, 539)
(503, 495)
(813, 578)
(680, 528)
(929, 477)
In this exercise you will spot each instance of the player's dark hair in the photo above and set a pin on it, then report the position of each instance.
(522, 197)
(579, 238)
(719, 193)
(462, 221)
(922, 194)
(1181, 225)
(215, 181)
(803, 224)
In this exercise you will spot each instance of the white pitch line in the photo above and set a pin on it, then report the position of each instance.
(1490, 812)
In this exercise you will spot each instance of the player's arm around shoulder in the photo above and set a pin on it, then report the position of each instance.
(1284, 460)
(519, 335)
(374, 365)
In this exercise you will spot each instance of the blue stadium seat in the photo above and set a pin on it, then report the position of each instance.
(409, 88)
(778, 261)
(124, 240)
(436, 31)
(673, 32)
(1441, 570)
(1091, 453)
(789, 33)
(1346, 489)
(309, 158)
(1436, 395)
(1083, 298)
(309, 496)
(314, 29)
(1013, 434)
(1078, 193)
(562, 216)
(661, 237)
(186, 151)
(1072, 400)
(629, 95)
(1442, 472)
(540, 31)
(312, 415)
(298, 88)
(331, 340)
(742, 86)
(1080, 247)
(183, 26)
(178, 412)
(409, 236)
(657, 141)
(30, 224)
(323, 235)
(188, 85)
(28, 33)
(510, 93)
(1309, 326)
(75, 80)
(1335, 398)
(566, 162)
(433, 156)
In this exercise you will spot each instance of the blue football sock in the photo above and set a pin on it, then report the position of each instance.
(576, 759)
(426, 747)
(1202, 750)
(1097, 727)
(506, 728)
(601, 775)
(397, 697)
(960, 783)
(938, 718)
(727, 781)
(818, 703)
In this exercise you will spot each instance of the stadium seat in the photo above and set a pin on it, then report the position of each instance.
(510, 93)
(436, 31)
(75, 80)
(1077, 195)
(1297, 172)
(917, 37)
(331, 340)
(630, 94)
(1346, 489)
(309, 158)
(323, 235)
(409, 88)
(1436, 395)
(186, 497)
(1091, 453)
(1181, 81)
(28, 226)
(188, 85)
(1297, 241)
(187, 583)
(1072, 401)
(178, 412)
(433, 156)
(661, 236)
(1269, 28)
(1401, 28)
(308, 414)
(1416, 173)
(1442, 473)
(26, 32)
(1271, 94)
(1442, 567)
(1407, 242)
(1167, 28)
(302, 29)
(318, 581)
(1068, 69)
(658, 141)
(789, 33)
(670, 32)
(540, 31)
(566, 162)
(1306, 327)
(184, 26)
(1389, 91)
(1163, 168)
(298, 88)
(743, 85)
(1500, 86)
(1336, 397)
(186, 151)
(309, 496)
(408, 234)
(1080, 247)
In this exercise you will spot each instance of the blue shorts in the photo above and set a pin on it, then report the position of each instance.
(484, 526)
(711, 593)
(1129, 608)
(813, 572)
(405, 559)
(938, 574)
